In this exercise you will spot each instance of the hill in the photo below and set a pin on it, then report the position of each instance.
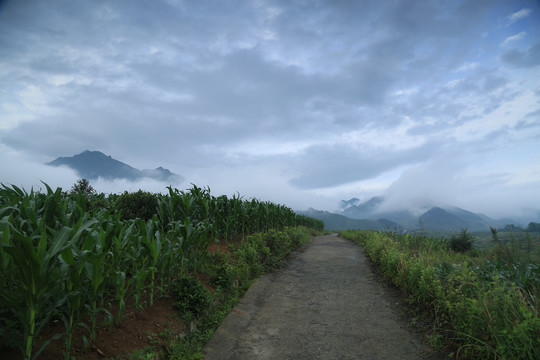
(339, 222)
(377, 215)
(94, 164)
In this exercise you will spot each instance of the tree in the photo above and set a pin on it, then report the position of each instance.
(461, 243)
(494, 235)
(533, 227)
(82, 186)
(512, 228)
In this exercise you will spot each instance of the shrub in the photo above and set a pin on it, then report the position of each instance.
(140, 204)
(192, 298)
(462, 242)
(278, 243)
(248, 253)
(224, 276)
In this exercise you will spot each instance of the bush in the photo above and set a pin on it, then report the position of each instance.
(223, 276)
(251, 253)
(461, 243)
(141, 204)
(192, 298)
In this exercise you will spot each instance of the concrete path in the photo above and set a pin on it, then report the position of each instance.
(324, 304)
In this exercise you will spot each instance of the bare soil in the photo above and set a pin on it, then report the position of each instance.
(156, 325)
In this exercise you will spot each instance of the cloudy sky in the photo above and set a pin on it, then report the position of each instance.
(302, 102)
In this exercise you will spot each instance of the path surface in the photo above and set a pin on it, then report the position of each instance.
(324, 304)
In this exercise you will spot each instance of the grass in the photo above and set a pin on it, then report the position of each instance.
(482, 304)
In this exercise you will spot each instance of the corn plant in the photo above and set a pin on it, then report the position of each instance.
(121, 286)
(152, 240)
(33, 265)
(72, 254)
(94, 270)
(72, 268)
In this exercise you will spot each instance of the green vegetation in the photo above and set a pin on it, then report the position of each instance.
(462, 242)
(482, 304)
(232, 274)
(73, 256)
(533, 227)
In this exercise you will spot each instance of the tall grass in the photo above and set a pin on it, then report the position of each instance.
(482, 308)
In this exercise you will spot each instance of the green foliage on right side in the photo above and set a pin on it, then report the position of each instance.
(533, 227)
(485, 306)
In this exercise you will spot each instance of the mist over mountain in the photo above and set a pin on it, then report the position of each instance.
(375, 214)
(94, 164)
(339, 222)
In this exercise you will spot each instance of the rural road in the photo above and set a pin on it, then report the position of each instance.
(324, 304)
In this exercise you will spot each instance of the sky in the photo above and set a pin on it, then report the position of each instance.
(299, 102)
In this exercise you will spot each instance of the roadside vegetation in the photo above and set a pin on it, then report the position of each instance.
(81, 259)
(477, 304)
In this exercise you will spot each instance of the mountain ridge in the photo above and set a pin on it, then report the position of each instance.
(424, 216)
(95, 164)
(337, 222)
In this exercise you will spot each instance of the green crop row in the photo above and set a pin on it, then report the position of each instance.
(69, 257)
(231, 275)
(482, 308)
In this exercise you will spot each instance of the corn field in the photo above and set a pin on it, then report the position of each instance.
(65, 260)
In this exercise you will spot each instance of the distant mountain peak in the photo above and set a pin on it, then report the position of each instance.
(95, 164)
(345, 204)
(420, 214)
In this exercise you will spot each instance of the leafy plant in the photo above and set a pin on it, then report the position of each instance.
(192, 298)
(33, 261)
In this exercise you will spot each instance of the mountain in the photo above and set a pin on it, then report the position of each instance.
(357, 210)
(422, 215)
(454, 218)
(339, 222)
(94, 164)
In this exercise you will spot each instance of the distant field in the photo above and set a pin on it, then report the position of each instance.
(485, 240)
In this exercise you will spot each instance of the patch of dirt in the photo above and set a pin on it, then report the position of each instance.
(220, 246)
(205, 280)
(156, 325)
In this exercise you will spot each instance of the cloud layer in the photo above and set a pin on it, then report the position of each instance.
(315, 101)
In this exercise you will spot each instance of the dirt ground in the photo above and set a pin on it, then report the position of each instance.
(324, 304)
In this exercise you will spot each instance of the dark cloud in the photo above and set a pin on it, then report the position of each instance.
(527, 58)
(266, 85)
